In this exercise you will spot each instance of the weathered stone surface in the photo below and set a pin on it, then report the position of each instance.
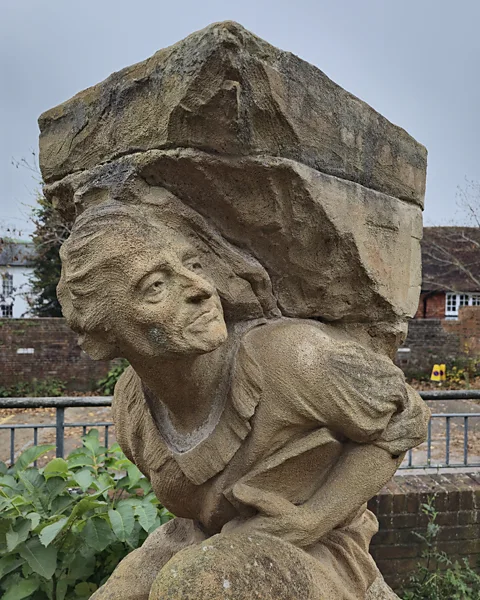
(325, 247)
(380, 591)
(240, 568)
(225, 90)
(248, 567)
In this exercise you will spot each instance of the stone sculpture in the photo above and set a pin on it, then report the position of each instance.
(247, 236)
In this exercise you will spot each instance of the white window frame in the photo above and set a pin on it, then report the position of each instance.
(7, 284)
(455, 300)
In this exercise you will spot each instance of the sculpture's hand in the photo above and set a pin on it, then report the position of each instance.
(298, 525)
(361, 471)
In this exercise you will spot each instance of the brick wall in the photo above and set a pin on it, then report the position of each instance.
(431, 306)
(432, 341)
(55, 354)
(396, 549)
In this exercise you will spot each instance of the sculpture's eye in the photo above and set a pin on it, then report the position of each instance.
(154, 289)
(194, 265)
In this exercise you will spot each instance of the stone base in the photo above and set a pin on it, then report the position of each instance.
(177, 562)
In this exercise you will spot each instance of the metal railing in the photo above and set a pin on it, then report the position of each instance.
(60, 425)
(456, 443)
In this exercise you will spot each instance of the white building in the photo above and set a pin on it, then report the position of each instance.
(15, 272)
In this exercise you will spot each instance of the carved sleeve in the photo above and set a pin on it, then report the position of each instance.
(363, 396)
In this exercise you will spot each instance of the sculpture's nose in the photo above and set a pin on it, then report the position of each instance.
(197, 288)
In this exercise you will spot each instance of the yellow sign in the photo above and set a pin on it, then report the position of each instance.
(439, 373)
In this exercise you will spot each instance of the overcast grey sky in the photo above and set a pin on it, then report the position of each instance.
(415, 61)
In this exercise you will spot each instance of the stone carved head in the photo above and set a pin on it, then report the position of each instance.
(130, 286)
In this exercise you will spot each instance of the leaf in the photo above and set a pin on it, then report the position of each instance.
(9, 564)
(61, 503)
(85, 589)
(134, 537)
(134, 501)
(57, 466)
(8, 481)
(84, 479)
(84, 506)
(18, 533)
(62, 588)
(156, 524)
(3, 468)
(81, 567)
(146, 513)
(91, 441)
(105, 482)
(4, 527)
(122, 521)
(34, 491)
(97, 533)
(134, 474)
(21, 589)
(165, 514)
(50, 532)
(119, 464)
(40, 559)
(145, 486)
(32, 480)
(54, 486)
(80, 460)
(34, 518)
(31, 455)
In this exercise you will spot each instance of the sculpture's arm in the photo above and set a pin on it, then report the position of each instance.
(362, 470)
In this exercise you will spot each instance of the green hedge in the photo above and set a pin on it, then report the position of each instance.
(64, 527)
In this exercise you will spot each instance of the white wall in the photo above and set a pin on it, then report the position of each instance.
(21, 290)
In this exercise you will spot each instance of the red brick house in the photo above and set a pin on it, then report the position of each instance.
(450, 271)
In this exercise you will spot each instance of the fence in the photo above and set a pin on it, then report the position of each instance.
(457, 431)
(59, 404)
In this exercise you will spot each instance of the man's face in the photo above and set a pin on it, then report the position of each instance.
(166, 306)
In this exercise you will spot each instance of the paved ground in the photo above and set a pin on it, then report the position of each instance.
(24, 437)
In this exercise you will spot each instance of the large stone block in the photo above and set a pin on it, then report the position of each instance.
(318, 246)
(226, 91)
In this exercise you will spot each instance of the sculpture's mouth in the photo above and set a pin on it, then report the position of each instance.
(206, 317)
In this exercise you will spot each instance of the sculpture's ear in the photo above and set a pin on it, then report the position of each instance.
(99, 345)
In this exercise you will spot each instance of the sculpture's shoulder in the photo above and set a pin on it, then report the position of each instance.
(285, 332)
(293, 344)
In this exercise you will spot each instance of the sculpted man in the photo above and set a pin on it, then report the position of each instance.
(265, 437)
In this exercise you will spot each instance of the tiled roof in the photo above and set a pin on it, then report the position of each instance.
(451, 259)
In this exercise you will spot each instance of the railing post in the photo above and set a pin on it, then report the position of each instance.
(60, 431)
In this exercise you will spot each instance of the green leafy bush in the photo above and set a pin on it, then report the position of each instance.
(106, 385)
(439, 578)
(64, 528)
(35, 389)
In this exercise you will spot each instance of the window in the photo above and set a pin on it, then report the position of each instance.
(6, 310)
(454, 302)
(451, 309)
(7, 284)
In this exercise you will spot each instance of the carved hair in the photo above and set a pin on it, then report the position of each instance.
(105, 233)
(100, 239)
